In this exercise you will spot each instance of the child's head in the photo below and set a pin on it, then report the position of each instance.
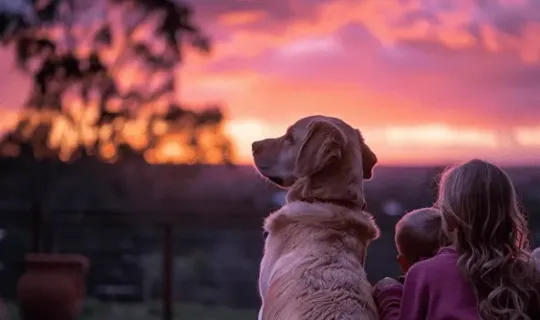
(480, 213)
(418, 235)
(536, 253)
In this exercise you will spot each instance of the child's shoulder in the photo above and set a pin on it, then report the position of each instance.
(445, 259)
(440, 273)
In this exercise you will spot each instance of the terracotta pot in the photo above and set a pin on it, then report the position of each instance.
(52, 287)
(3, 311)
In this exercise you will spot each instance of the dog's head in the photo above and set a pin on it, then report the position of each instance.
(317, 156)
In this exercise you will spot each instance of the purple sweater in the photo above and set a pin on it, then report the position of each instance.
(434, 289)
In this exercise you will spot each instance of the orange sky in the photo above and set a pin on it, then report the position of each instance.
(426, 81)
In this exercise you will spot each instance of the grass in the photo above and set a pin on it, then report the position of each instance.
(97, 310)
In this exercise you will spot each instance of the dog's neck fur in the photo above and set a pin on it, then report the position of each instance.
(343, 188)
(307, 237)
(328, 215)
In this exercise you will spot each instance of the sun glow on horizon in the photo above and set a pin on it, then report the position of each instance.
(429, 143)
(529, 137)
(441, 135)
(415, 144)
(245, 131)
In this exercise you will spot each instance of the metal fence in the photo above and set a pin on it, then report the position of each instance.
(155, 265)
(147, 266)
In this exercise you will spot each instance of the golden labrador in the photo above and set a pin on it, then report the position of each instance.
(316, 243)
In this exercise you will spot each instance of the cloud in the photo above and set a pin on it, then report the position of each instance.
(277, 11)
(422, 61)
(497, 26)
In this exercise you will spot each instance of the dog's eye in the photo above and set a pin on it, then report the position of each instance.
(265, 234)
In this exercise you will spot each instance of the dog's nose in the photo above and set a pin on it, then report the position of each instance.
(256, 147)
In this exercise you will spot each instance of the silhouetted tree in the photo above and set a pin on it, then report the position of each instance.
(103, 84)
(104, 80)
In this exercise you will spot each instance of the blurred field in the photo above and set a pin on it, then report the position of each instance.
(107, 214)
(97, 310)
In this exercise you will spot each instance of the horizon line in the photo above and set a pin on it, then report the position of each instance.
(245, 165)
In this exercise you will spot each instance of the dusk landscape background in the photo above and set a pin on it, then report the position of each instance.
(122, 118)
(426, 81)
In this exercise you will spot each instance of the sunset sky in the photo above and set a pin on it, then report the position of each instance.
(426, 81)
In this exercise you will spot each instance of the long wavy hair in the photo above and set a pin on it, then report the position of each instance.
(481, 214)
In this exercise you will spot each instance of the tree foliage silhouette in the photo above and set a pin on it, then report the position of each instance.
(103, 81)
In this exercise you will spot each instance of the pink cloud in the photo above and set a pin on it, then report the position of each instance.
(428, 70)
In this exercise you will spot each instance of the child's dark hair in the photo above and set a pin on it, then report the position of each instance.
(479, 206)
(419, 234)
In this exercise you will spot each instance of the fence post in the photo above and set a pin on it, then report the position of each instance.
(167, 272)
(37, 228)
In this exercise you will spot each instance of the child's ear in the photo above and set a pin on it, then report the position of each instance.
(403, 263)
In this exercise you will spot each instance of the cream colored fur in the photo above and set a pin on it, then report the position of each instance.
(313, 264)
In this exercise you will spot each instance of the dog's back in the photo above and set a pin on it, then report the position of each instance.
(317, 272)
(320, 289)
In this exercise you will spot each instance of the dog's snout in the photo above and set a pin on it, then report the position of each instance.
(256, 147)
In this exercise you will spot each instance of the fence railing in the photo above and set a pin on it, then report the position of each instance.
(179, 264)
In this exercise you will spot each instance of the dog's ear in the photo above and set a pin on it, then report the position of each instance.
(323, 144)
(369, 159)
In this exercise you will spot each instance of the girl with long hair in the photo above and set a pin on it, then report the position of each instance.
(488, 272)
